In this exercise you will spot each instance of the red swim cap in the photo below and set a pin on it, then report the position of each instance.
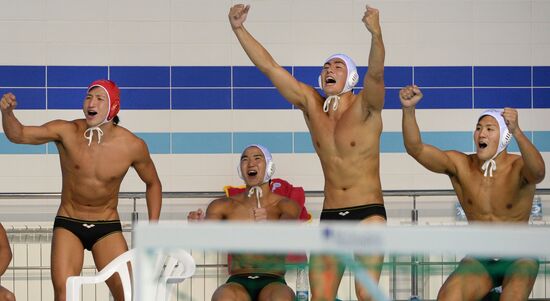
(112, 92)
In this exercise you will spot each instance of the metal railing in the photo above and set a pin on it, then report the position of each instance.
(25, 236)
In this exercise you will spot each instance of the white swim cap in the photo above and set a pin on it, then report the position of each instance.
(351, 80)
(504, 139)
(353, 77)
(269, 165)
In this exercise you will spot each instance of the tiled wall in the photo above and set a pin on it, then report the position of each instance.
(191, 93)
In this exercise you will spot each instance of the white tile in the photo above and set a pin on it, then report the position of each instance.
(79, 54)
(139, 10)
(77, 10)
(496, 54)
(201, 32)
(538, 118)
(335, 33)
(443, 54)
(394, 33)
(202, 54)
(460, 35)
(541, 33)
(268, 11)
(540, 55)
(145, 121)
(540, 10)
(85, 32)
(23, 54)
(201, 120)
(32, 166)
(23, 10)
(137, 54)
(139, 32)
(399, 54)
(324, 11)
(437, 11)
(316, 54)
(47, 115)
(282, 53)
(273, 32)
(502, 11)
(297, 165)
(497, 32)
(447, 120)
(191, 10)
(262, 121)
(401, 11)
(22, 31)
(205, 165)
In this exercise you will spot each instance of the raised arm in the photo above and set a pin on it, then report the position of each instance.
(5, 251)
(429, 156)
(286, 84)
(145, 168)
(533, 164)
(21, 134)
(372, 94)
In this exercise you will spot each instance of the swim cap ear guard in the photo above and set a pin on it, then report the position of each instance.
(113, 93)
(504, 139)
(353, 77)
(269, 165)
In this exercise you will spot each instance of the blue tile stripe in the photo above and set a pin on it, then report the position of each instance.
(245, 87)
(277, 142)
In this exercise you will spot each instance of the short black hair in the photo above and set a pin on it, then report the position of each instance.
(116, 120)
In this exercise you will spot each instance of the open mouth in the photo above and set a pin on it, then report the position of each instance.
(252, 173)
(482, 145)
(330, 80)
(92, 113)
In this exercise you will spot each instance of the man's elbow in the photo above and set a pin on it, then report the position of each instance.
(540, 174)
(413, 150)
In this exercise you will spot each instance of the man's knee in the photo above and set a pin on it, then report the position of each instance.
(230, 293)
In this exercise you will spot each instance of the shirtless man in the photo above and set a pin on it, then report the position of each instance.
(95, 154)
(253, 276)
(345, 130)
(5, 258)
(492, 186)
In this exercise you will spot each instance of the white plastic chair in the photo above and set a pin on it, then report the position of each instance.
(173, 267)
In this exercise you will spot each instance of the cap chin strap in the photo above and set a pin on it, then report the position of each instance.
(91, 130)
(489, 166)
(329, 99)
(258, 191)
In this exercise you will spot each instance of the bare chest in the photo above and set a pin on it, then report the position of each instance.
(101, 162)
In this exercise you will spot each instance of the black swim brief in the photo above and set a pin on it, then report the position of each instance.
(89, 232)
(255, 282)
(498, 268)
(356, 213)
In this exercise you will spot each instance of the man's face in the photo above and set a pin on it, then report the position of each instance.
(253, 166)
(487, 137)
(333, 76)
(96, 106)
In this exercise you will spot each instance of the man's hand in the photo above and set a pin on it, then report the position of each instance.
(372, 20)
(410, 96)
(260, 214)
(511, 118)
(237, 15)
(194, 216)
(8, 103)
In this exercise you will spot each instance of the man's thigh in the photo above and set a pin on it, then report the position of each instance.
(66, 258)
(104, 251)
(470, 281)
(519, 279)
